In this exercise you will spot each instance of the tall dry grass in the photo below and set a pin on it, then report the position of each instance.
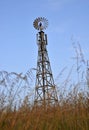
(72, 112)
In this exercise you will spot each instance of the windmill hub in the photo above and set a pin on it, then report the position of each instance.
(40, 23)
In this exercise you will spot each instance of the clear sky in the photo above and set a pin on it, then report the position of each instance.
(67, 19)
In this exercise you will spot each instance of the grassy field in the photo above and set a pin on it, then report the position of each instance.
(69, 115)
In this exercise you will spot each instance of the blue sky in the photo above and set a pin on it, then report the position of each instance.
(67, 19)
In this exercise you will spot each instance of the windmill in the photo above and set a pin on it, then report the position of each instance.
(45, 89)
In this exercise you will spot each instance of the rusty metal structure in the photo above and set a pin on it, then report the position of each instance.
(45, 89)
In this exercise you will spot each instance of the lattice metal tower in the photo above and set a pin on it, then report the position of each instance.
(45, 91)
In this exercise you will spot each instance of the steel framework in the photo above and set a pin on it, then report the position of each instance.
(45, 90)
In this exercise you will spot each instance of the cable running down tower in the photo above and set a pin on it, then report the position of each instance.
(45, 91)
